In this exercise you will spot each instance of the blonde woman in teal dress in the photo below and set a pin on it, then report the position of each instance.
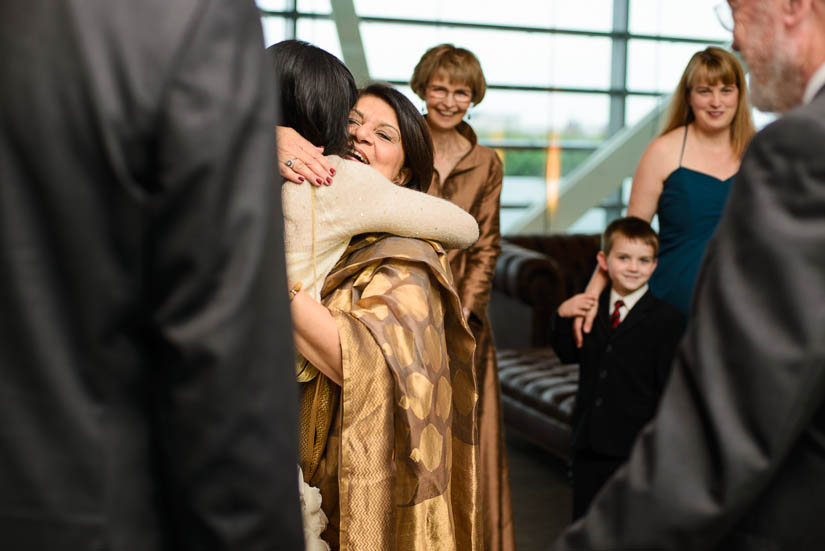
(685, 174)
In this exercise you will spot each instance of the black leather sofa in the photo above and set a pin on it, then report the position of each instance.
(533, 275)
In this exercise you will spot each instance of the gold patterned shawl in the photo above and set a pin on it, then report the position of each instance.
(394, 450)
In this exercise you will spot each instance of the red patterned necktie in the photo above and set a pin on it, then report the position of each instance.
(616, 316)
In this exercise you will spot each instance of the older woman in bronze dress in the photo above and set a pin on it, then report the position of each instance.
(450, 79)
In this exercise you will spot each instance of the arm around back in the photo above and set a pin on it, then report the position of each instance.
(367, 202)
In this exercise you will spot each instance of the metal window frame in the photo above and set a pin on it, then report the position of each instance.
(620, 36)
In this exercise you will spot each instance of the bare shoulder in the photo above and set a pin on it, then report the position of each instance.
(669, 144)
(662, 155)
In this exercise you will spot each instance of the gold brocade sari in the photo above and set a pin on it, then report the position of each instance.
(394, 450)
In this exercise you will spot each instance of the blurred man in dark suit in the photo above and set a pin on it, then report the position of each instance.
(146, 395)
(735, 459)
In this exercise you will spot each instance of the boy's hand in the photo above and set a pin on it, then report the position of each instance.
(577, 306)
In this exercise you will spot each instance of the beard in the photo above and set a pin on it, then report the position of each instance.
(777, 83)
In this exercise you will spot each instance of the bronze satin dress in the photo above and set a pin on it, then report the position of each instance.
(475, 185)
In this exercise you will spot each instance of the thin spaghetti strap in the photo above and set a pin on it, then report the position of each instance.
(684, 141)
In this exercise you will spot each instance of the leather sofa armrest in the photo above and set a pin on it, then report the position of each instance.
(533, 279)
(574, 255)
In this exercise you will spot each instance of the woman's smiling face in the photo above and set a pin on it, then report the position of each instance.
(375, 137)
(447, 101)
(714, 105)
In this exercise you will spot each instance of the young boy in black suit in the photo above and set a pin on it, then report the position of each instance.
(624, 361)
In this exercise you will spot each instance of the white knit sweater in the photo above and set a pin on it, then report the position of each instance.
(361, 201)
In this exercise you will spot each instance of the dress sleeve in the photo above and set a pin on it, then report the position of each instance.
(476, 284)
(748, 378)
(366, 202)
(223, 400)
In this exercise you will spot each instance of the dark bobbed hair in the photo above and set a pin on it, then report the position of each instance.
(317, 92)
(632, 228)
(415, 136)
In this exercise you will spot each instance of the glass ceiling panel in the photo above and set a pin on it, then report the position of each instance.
(592, 15)
(657, 66)
(322, 33)
(694, 19)
(513, 58)
(314, 6)
(273, 5)
(274, 29)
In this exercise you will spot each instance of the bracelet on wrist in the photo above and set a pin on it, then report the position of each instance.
(295, 290)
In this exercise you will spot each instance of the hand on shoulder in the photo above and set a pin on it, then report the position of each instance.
(577, 305)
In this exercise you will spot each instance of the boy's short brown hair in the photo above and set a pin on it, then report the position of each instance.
(458, 64)
(633, 228)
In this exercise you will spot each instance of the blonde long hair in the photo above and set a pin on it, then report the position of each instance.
(710, 66)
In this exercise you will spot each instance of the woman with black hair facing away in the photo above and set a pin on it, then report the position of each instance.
(388, 397)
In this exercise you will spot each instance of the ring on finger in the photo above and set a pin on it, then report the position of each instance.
(290, 162)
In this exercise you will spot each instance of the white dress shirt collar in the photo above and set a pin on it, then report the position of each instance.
(629, 300)
(816, 82)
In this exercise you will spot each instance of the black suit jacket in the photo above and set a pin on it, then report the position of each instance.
(622, 372)
(735, 458)
(147, 398)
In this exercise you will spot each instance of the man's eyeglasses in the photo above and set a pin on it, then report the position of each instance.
(725, 15)
(461, 97)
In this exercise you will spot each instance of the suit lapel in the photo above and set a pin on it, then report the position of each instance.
(603, 314)
(635, 315)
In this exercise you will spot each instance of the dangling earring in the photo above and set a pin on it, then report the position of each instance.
(470, 112)
(424, 110)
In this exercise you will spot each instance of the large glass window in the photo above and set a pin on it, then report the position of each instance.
(515, 58)
(275, 29)
(274, 5)
(549, 66)
(656, 65)
(322, 33)
(694, 19)
(314, 6)
(591, 15)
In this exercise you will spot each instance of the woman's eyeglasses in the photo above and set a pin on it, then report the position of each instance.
(460, 96)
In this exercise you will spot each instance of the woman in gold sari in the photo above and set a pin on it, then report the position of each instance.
(388, 420)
